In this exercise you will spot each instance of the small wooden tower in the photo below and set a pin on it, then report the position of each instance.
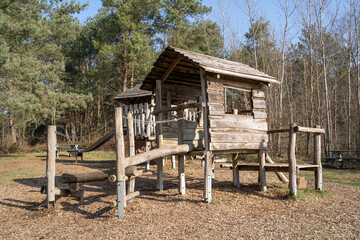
(220, 106)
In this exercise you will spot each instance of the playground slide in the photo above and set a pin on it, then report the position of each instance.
(157, 153)
(100, 142)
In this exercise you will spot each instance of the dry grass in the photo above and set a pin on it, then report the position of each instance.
(244, 213)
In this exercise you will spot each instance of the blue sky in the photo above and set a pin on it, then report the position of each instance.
(238, 21)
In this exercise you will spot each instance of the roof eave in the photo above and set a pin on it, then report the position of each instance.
(241, 75)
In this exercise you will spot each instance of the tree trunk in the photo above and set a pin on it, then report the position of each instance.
(12, 128)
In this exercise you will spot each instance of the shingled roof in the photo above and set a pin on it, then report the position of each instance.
(188, 64)
(134, 95)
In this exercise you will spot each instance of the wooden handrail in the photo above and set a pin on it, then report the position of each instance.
(299, 129)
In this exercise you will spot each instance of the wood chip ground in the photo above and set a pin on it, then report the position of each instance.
(244, 213)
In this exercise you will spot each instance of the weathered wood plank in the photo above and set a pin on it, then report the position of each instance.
(186, 136)
(214, 107)
(216, 97)
(171, 142)
(235, 146)
(309, 130)
(259, 104)
(259, 114)
(234, 137)
(232, 123)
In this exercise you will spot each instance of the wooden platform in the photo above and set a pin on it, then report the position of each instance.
(277, 167)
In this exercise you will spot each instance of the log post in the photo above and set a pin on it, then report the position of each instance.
(120, 161)
(181, 158)
(168, 104)
(131, 142)
(159, 137)
(208, 155)
(173, 164)
(135, 116)
(131, 134)
(148, 134)
(317, 160)
(142, 120)
(50, 166)
(235, 170)
(292, 160)
(262, 173)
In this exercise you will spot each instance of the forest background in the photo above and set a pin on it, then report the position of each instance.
(56, 70)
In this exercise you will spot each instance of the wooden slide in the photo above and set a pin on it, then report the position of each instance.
(100, 142)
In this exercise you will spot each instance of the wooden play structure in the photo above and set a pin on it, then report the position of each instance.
(197, 105)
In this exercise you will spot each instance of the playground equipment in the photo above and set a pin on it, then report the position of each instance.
(204, 106)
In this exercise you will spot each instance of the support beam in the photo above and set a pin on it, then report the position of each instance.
(181, 158)
(208, 154)
(262, 173)
(131, 134)
(50, 167)
(317, 160)
(159, 137)
(120, 161)
(292, 160)
(170, 68)
(173, 164)
(280, 175)
(235, 160)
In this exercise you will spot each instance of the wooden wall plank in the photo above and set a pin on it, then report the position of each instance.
(259, 103)
(234, 137)
(259, 114)
(236, 146)
(258, 93)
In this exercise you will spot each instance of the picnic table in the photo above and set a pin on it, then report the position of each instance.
(339, 156)
(71, 148)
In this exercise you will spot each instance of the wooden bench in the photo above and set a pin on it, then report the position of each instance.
(337, 156)
(73, 151)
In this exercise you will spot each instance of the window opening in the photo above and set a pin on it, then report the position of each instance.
(236, 98)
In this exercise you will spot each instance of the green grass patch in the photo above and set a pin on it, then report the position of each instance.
(20, 173)
(305, 194)
(348, 177)
(100, 156)
(214, 202)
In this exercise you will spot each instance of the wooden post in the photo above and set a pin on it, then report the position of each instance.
(148, 133)
(120, 161)
(208, 157)
(153, 124)
(159, 136)
(142, 120)
(131, 142)
(168, 104)
(201, 114)
(317, 160)
(147, 148)
(235, 161)
(135, 116)
(50, 168)
(173, 164)
(181, 158)
(262, 173)
(236, 111)
(292, 160)
(131, 136)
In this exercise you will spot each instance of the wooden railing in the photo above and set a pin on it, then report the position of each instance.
(292, 157)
